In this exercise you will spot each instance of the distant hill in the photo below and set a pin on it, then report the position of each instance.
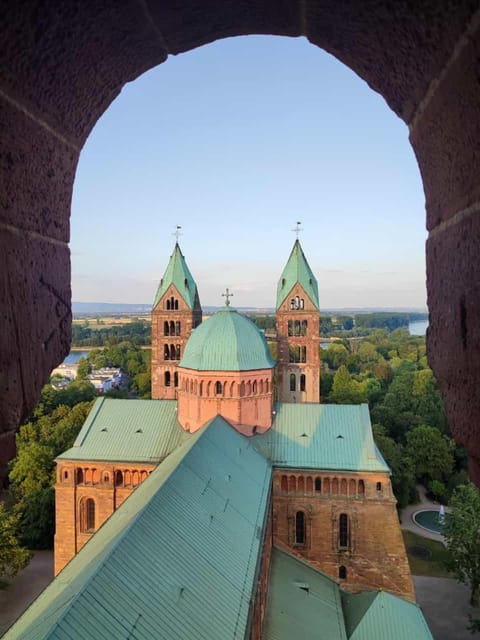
(104, 308)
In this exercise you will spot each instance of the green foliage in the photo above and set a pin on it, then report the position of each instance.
(430, 453)
(403, 479)
(138, 333)
(461, 531)
(13, 556)
(389, 321)
(83, 369)
(346, 390)
(438, 490)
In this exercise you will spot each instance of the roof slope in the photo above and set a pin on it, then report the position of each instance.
(228, 341)
(178, 274)
(321, 436)
(302, 602)
(298, 270)
(380, 615)
(128, 431)
(177, 560)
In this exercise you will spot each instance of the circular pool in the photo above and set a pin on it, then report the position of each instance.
(429, 520)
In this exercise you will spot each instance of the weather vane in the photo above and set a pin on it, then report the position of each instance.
(177, 232)
(297, 228)
(227, 295)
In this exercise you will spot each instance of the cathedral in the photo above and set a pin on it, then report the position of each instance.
(233, 504)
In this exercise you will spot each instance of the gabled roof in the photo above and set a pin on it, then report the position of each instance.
(302, 602)
(178, 274)
(321, 436)
(178, 559)
(228, 341)
(378, 615)
(298, 270)
(128, 431)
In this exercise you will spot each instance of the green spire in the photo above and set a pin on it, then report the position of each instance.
(178, 274)
(298, 270)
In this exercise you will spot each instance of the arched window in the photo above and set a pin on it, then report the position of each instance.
(200, 389)
(297, 327)
(302, 303)
(177, 352)
(290, 327)
(172, 328)
(293, 382)
(118, 478)
(343, 487)
(304, 327)
(232, 390)
(65, 475)
(297, 354)
(309, 485)
(304, 354)
(172, 352)
(261, 387)
(352, 488)
(292, 304)
(175, 379)
(209, 388)
(167, 378)
(318, 485)
(301, 485)
(176, 305)
(254, 387)
(172, 303)
(242, 388)
(218, 388)
(284, 483)
(249, 388)
(297, 302)
(361, 487)
(379, 486)
(342, 572)
(166, 330)
(300, 527)
(303, 382)
(343, 531)
(168, 305)
(292, 484)
(135, 478)
(166, 352)
(87, 515)
(266, 386)
(177, 328)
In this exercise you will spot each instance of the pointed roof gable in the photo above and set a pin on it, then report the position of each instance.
(178, 274)
(298, 270)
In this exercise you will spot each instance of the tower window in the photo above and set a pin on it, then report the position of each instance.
(318, 484)
(166, 329)
(297, 327)
(300, 527)
(176, 305)
(293, 382)
(166, 352)
(177, 328)
(343, 531)
(87, 515)
(302, 382)
(342, 572)
(290, 327)
(79, 476)
(167, 378)
(175, 379)
(177, 352)
(304, 327)
(172, 352)
(218, 388)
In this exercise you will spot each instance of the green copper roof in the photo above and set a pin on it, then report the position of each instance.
(178, 559)
(321, 436)
(178, 274)
(302, 602)
(298, 270)
(380, 615)
(227, 341)
(128, 431)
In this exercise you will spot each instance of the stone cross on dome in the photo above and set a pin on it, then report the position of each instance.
(297, 229)
(227, 295)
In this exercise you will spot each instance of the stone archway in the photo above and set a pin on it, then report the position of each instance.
(62, 65)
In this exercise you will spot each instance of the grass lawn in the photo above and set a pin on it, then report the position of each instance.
(426, 566)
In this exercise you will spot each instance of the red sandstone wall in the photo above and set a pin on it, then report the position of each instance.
(375, 557)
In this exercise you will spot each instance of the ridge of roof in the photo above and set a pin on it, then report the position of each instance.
(297, 270)
(178, 274)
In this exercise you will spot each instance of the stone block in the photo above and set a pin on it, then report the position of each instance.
(66, 61)
(453, 337)
(397, 47)
(37, 172)
(36, 319)
(446, 139)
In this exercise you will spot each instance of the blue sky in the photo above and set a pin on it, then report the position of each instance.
(235, 142)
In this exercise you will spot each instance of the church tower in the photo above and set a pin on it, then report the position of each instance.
(298, 331)
(176, 311)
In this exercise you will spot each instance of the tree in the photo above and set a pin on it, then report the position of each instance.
(345, 390)
(83, 369)
(430, 452)
(462, 534)
(13, 557)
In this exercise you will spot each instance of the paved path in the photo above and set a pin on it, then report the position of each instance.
(406, 516)
(26, 586)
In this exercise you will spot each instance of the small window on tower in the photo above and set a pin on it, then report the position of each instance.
(342, 572)
(293, 382)
(167, 378)
(302, 382)
(300, 527)
(175, 379)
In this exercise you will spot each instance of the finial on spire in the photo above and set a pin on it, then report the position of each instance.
(297, 229)
(177, 232)
(227, 295)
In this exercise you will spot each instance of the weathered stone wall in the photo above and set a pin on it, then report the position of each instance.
(62, 64)
(108, 484)
(374, 555)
